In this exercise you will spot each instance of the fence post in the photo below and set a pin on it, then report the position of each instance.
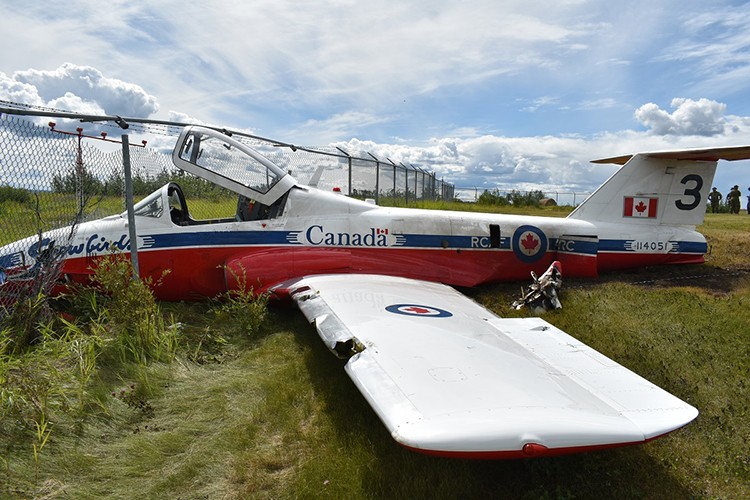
(129, 205)
(377, 182)
(394, 182)
(349, 160)
(377, 176)
(406, 188)
(80, 174)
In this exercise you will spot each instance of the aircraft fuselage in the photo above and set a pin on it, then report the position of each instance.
(317, 232)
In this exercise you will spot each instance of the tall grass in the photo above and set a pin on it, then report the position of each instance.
(51, 381)
(728, 237)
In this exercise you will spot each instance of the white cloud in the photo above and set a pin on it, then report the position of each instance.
(336, 125)
(550, 163)
(701, 117)
(86, 89)
(540, 102)
(15, 91)
(601, 103)
(714, 49)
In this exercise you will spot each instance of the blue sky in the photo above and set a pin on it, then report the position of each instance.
(513, 94)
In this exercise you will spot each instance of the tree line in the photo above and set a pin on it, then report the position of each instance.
(143, 183)
(517, 198)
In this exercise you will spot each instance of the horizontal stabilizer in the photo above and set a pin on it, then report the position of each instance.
(712, 154)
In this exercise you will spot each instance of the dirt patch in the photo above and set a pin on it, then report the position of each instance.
(710, 278)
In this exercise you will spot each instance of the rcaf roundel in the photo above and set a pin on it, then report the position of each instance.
(529, 243)
(418, 310)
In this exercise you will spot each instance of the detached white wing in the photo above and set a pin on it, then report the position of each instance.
(446, 376)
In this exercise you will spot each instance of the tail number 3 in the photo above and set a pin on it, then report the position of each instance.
(693, 192)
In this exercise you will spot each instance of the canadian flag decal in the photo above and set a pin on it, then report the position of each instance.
(635, 206)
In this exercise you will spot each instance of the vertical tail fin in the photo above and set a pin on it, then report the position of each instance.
(668, 187)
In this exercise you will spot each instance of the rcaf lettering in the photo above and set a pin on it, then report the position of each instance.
(480, 242)
(565, 245)
(316, 235)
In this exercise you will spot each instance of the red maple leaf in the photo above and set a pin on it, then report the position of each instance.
(641, 207)
(417, 310)
(529, 242)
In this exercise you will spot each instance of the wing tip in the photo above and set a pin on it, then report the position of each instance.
(528, 450)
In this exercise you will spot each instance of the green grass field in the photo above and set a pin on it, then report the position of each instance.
(273, 415)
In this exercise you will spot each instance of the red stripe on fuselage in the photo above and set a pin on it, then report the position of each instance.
(190, 273)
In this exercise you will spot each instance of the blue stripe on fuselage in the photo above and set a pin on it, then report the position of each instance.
(219, 238)
(232, 238)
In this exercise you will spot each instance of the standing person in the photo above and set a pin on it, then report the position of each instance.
(715, 198)
(733, 198)
(748, 201)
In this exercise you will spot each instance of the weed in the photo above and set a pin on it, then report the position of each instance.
(135, 320)
(208, 346)
(42, 435)
(241, 309)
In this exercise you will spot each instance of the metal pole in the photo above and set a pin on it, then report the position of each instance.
(406, 179)
(349, 159)
(80, 174)
(129, 206)
(377, 182)
(394, 182)
(394, 178)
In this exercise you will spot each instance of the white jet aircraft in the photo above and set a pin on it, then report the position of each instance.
(445, 375)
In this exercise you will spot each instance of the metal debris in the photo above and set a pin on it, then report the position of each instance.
(542, 294)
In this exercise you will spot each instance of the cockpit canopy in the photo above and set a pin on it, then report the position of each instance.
(167, 198)
(231, 164)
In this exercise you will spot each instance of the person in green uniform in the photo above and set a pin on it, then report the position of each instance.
(734, 200)
(715, 198)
